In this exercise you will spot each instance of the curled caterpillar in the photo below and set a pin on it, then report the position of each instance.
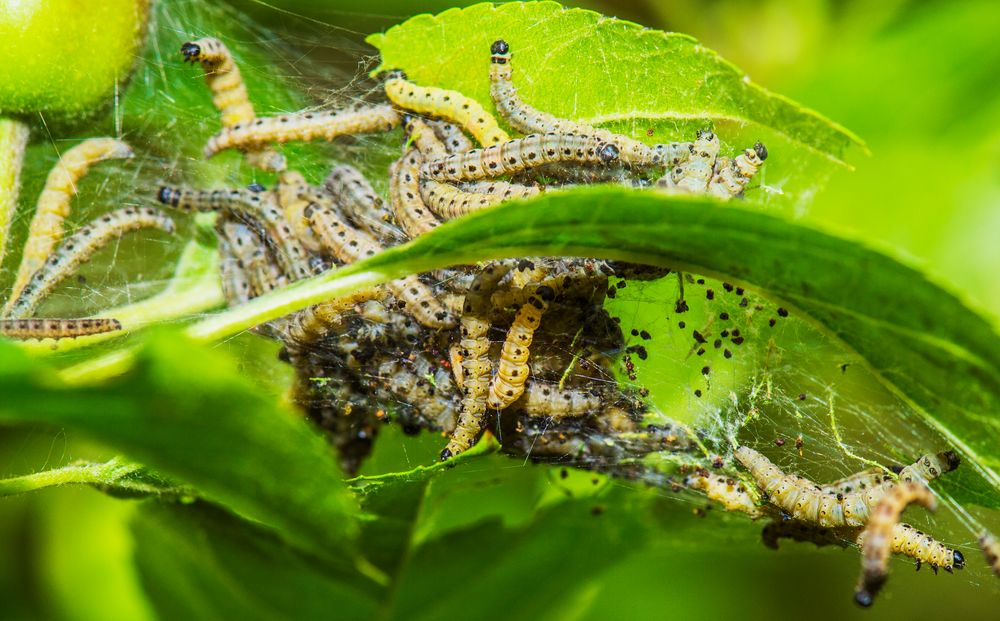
(877, 538)
(303, 126)
(991, 551)
(507, 385)
(732, 176)
(53, 206)
(404, 194)
(351, 190)
(79, 247)
(519, 155)
(291, 255)
(350, 245)
(803, 500)
(56, 328)
(451, 105)
(474, 350)
(229, 93)
(725, 490)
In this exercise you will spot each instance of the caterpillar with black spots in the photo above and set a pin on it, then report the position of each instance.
(39, 329)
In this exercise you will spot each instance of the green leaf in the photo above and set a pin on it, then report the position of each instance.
(921, 341)
(582, 65)
(189, 413)
(197, 562)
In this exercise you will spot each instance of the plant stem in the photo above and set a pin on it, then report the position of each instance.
(13, 140)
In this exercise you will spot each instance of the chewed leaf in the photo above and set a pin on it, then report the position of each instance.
(581, 65)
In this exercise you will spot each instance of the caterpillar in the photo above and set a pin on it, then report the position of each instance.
(235, 284)
(424, 138)
(450, 105)
(732, 176)
(79, 247)
(693, 175)
(350, 245)
(541, 399)
(312, 324)
(56, 328)
(449, 202)
(877, 537)
(409, 382)
(504, 189)
(519, 155)
(404, 194)
(474, 350)
(803, 500)
(252, 272)
(289, 192)
(507, 385)
(858, 481)
(991, 551)
(46, 228)
(229, 93)
(454, 139)
(725, 490)
(291, 255)
(303, 126)
(351, 190)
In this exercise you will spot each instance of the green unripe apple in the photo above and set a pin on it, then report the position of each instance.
(63, 57)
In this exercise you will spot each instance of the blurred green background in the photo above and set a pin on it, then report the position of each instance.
(916, 80)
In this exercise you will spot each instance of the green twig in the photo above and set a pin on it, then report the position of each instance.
(13, 140)
(116, 477)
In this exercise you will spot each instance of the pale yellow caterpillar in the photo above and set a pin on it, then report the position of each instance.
(289, 191)
(474, 350)
(732, 176)
(350, 245)
(519, 155)
(229, 93)
(404, 194)
(448, 202)
(450, 105)
(56, 328)
(725, 490)
(876, 545)
(454, 139)
(803, 500)
(303, 126)
(46, 229)
(504, 189)
(423, 138)
(79, 247)
(291, 255)
(541, 399)
(991, 551)
(858, 481)
(351, 190)
(693, 175)
(513, 370)
(312, 324)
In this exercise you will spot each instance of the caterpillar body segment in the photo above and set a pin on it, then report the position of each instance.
(39, 329)
(79, 247)
(991, 551)
(425, 390)
(474, 350)
(801, 499)
(507, 385)
(454, 139)
(350, 245)
(404, 194)
(229, 94)
(290, 253)
(290, 192)
(54, 203)
(857, 481)
(351, 190)
(314, 323)
(921, 547)
(693, 175)
(304, 127)
(448, 202)
(542, 399)
(521, 154)
(877, 538)
(424, 138)
(232, 271)
(727, 491)
(446, 104)
(505, 190)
